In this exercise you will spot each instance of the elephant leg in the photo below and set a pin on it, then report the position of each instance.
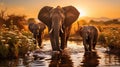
(35, 38)
(40, 40)
(67, 36)
(85, 45)
(90, 45)
(94, 44)
(63, 41)
(64, 37)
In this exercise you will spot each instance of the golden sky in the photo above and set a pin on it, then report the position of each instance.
(90, 8)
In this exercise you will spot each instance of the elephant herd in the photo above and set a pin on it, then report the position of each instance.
(59, 22)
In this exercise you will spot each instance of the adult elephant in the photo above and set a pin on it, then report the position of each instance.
(37, 30)
(89, 35)
(58, 21)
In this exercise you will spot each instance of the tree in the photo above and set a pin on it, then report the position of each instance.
(19, 21)
(2, 16)
(3, 13)
(83, 22)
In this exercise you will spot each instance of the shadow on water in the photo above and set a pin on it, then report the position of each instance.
(61, 60)
(73, 56)
(90, 59)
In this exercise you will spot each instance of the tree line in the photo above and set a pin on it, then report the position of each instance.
(12, 19)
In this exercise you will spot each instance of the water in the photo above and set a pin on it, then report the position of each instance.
(73, 56)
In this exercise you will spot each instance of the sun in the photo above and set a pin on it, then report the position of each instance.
(82, 12)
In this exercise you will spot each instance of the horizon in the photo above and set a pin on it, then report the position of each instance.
(96, 9)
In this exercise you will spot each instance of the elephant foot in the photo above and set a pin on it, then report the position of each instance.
(90, 49)
(86, 50)
(63, 47)
(94, 49)
(55, 55)
(40, 47)
(55, 52)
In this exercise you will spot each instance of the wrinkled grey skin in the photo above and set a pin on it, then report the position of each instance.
(37, 30)
(58, 21)
(89, 35)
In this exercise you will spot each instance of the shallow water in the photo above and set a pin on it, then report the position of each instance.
(73, 56)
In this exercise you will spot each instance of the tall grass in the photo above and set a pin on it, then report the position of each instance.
(110, 37)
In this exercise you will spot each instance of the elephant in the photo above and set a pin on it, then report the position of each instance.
(37, 29)
(89, 35)
(59, 21)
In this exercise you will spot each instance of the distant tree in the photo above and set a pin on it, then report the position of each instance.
(19, 21)
(3, 13)
(113, 21)
(83, 22)
(92, 22)
(116, 21)
(2, 16)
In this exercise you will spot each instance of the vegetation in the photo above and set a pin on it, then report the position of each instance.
(109, 35)
(8, 20)
(112, 38)
(14, 43)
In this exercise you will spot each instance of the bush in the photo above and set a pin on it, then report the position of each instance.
(102, 39)
(110, 36)
(113, 38)
(14, 43)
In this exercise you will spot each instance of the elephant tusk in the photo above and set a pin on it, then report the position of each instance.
(62, 30)
(51, 30)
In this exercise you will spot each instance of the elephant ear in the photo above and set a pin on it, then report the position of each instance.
(44, 15)
(71, 15)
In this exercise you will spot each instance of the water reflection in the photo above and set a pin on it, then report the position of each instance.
(73, 56)
(61, 60)
(20, 63)
(90, 59)
(111, 60)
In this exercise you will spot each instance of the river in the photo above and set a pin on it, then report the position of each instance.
(73, 56)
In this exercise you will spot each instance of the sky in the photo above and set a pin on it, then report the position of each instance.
(90, 8)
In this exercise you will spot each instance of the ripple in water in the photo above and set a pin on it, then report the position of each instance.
(73, 56)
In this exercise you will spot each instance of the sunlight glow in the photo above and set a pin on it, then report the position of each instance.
(82, 12)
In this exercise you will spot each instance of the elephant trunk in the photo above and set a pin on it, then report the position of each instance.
(55, 29)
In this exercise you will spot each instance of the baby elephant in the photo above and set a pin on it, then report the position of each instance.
(37, 30)
(89, 35)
